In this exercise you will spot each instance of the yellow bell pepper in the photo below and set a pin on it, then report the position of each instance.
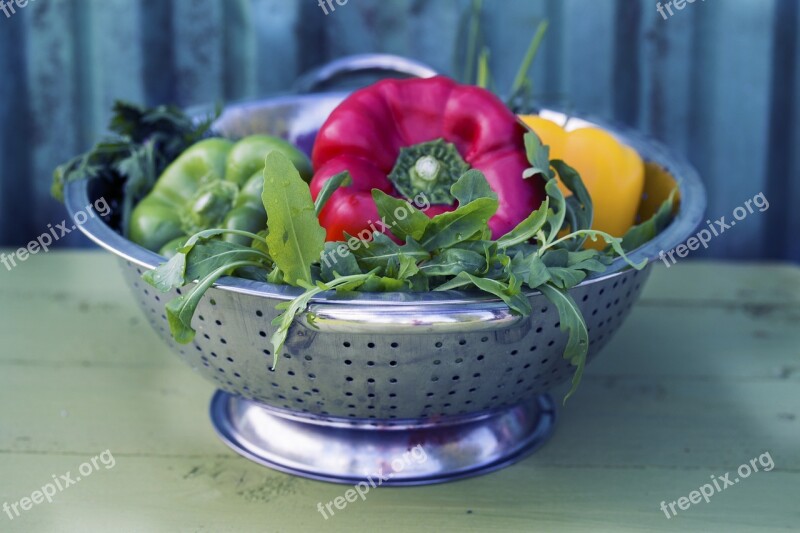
(612, 172)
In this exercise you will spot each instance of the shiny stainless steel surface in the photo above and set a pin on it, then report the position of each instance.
(415, 361)
(337, 69)
(408, 454)
(393, 361)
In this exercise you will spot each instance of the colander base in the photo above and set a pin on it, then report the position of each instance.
(374, 452)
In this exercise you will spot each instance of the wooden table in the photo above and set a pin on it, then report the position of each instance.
(704, 376)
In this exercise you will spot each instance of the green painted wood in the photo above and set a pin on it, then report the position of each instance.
(702, 377)
(785, 134)
(729, 117)
(199, 60)
(588, 29)
(280, 42)
(116, 59)
(56, 94)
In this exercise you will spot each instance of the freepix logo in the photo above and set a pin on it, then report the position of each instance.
(414, 455)
(9, 7)
(328, 7)
(43, 242)
(715, 229)
(60, 483)
(667, 7)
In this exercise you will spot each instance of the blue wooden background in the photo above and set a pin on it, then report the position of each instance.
(718, 81)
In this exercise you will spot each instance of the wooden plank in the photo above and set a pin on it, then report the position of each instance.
(509, 27)
(277, 56)
(231, 494)
(587, 74)
(427, 31)
(729, 114)
(115, 54)
(666, 57)
(16, 216)
(198, 51)
(784, 166)
(57, 124)
(742, 285)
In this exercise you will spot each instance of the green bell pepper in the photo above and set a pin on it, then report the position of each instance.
(214, 183)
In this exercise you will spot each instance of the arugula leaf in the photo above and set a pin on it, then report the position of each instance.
(453, 227)
(538, 273)
(589, 260)
(413, 221)
(538, 156)
(296, 306)
(384, 284)
(526, 229)
(172, 274)
(647, 230)
(338, 260)
(458, 282)
(408, 267)
(471, 186)
(529, 268)
(565, 278)
(342, 179)
(572, 322)
(614, 242)
(295, 238)
(180, 310)
(207, 256)
(557, 215)
(580, 211)
(451, 261)
(377, 253)
(510, 292)
(561, 274)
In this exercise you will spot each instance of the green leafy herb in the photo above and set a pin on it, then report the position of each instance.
(337, 260)
(647, 230)
(404, 219)
(291, 309)
(472, 185)
(342, 179)
(572, 322)
(295, 240)
(145, 141)
(522, 88)
(527, 229)
(181, 309)
(452, 261)
(579, 212)
(538, 156)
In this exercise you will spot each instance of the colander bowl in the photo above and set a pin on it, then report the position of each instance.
(364, 379)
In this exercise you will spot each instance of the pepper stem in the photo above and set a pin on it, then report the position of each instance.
(428, 168)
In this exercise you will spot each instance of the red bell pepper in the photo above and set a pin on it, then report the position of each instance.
(417, 136)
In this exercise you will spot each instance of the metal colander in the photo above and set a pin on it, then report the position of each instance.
(371, 375)
(389, 360)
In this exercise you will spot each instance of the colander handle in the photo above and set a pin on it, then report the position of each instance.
(360, 64)
(400, 319)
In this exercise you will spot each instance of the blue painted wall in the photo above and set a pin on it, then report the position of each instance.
(718, 81)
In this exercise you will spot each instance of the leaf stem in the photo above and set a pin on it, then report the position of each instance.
(530, 55)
